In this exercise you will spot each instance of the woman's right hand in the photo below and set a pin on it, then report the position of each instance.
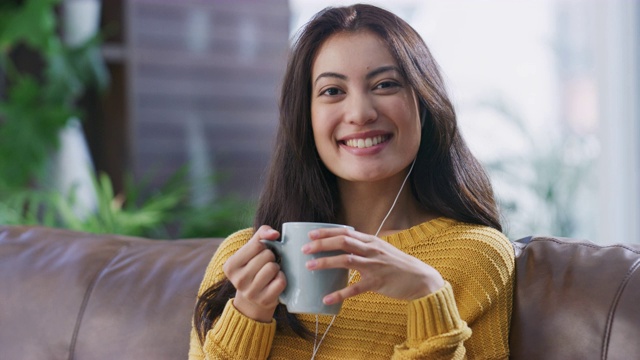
(256, 277)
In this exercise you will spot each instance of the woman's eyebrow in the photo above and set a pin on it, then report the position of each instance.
(330, 74)
(381, 70)
(370, 75)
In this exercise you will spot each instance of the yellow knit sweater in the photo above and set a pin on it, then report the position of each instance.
(477, 263)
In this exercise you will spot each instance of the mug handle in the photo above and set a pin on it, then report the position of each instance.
(276, 248)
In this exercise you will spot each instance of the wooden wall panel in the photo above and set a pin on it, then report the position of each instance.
(204, 80)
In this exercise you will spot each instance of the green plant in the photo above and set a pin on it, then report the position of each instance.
(117, 215)
(219, 218)
(36, 106)
(114, 213)
(178, 216)
(166, 213)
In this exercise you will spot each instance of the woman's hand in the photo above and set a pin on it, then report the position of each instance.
(383, 268)
(256, 277)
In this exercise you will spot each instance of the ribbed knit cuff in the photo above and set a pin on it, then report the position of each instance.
(432, 315)
(242, 336)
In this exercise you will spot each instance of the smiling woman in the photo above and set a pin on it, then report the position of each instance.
(364, 113)
(360, 96)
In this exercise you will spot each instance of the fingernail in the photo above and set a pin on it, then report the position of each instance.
(311, 264)
(306, 249)
(313, 233)
(328, 300)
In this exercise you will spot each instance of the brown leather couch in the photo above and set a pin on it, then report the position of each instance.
(71, 295)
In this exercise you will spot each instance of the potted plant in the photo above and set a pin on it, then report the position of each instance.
(34, 107)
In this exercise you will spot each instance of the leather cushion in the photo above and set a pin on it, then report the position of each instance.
(66, 294)
(576, 300)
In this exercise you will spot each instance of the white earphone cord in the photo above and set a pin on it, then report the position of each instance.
(316, 344)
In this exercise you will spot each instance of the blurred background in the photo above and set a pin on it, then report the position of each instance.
(156, 117)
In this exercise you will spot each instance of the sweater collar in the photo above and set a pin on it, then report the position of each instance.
(419, 233)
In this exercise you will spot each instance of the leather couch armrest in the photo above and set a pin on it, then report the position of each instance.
(575, 300)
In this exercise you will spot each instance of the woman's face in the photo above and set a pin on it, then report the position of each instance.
(364, 114)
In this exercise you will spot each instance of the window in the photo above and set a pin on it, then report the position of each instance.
(547, 97)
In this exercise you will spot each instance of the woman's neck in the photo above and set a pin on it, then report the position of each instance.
(365, 205)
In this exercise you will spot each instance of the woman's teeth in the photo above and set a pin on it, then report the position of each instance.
(365, 143)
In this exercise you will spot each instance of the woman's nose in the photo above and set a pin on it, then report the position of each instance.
(360, 110)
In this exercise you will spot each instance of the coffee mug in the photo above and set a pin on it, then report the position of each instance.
(306, 288)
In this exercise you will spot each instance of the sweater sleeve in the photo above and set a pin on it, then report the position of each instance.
(470, 316)
(434, 328)
(233, 335)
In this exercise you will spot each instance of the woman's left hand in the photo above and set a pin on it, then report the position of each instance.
(383, 268)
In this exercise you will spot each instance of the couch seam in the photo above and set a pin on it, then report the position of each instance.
(595, 246)
(85, 300)
(614, 306)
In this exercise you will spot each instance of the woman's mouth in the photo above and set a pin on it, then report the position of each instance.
(366, 142)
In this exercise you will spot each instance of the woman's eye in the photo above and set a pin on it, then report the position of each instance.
(387, 84)
(332, 92)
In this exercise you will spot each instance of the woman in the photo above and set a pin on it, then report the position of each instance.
(364, 111)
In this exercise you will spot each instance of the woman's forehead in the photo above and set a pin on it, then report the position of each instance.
(344, 51)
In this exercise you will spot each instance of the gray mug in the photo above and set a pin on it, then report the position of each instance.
(306, 288)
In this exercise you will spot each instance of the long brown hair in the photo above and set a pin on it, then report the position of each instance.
(446, 179)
